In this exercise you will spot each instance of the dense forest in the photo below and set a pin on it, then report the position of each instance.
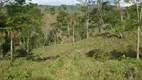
(88, 41)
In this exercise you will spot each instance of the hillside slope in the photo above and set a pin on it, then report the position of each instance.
(101, 43)
(97, 58)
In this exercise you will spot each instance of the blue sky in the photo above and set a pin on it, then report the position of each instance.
(55, 2)
(67, 2)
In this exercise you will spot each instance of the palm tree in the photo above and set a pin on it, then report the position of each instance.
(12, 34)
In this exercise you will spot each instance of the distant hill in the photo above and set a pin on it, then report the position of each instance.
(69, 8)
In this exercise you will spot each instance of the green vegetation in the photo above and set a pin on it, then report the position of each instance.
(83, 60)
(92, 42)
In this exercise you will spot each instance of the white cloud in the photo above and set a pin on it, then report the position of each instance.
(55, 2)
(69, 2)
(124, 4)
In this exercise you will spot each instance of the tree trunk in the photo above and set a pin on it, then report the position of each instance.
(73, 35)
(87, 30)
(138, 32)
(44, 45)
(138, 43)
(122, 20)
(55, 36)
(68, 31)
(100, 26)
(55, 39)
(123, 26)
(11, 48)
(87, 23)
(100, 21)
(28, 45)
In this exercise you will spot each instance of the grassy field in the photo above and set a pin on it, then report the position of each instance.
(103, 57)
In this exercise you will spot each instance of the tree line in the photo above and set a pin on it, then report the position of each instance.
(21, 24)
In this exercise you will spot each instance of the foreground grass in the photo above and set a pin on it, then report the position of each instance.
(97, 58)
(72, 67)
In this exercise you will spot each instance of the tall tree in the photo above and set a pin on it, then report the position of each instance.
(13, 21)
(64, 7)
(52, 10)
(88, 3)
(23, 16)
(121, 11)
(139, 15)
(138, 12)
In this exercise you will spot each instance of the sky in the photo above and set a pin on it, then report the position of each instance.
(67, 2)
(55, 2)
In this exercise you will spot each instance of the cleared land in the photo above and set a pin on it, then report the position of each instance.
(97, 58)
